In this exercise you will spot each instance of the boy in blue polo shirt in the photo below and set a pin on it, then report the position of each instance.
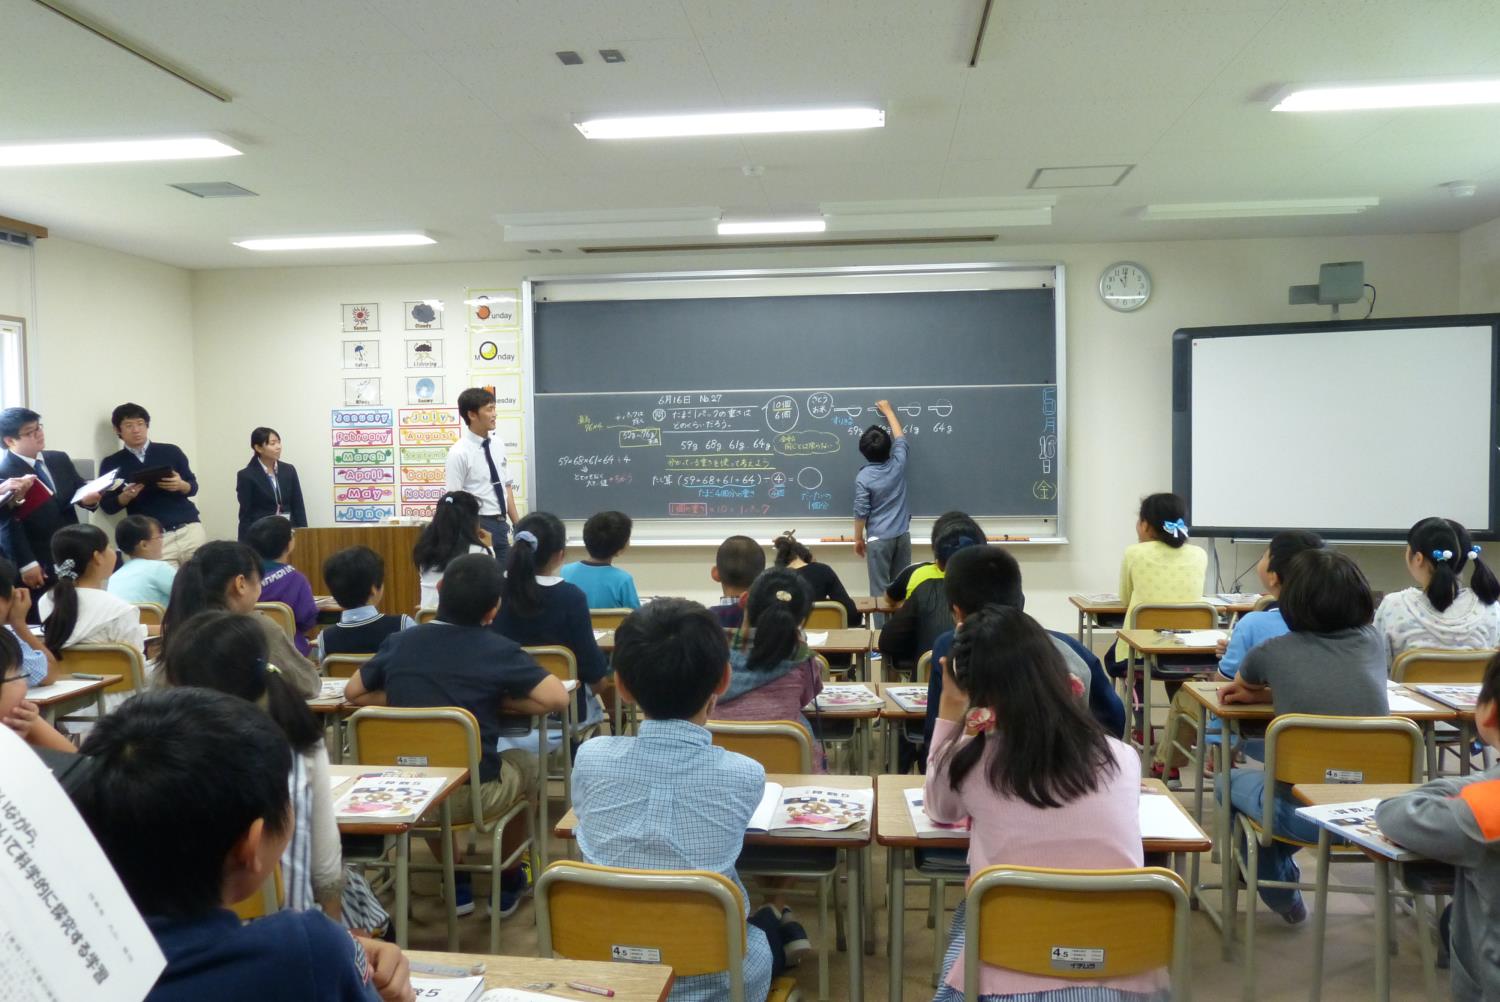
(882, 521)
(605, 536)
(186, 791)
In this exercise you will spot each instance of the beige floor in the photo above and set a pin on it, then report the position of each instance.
(1285, 952)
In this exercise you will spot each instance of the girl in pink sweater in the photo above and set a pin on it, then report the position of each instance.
(1016, 752)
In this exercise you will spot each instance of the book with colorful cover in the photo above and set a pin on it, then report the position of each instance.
(848, 696)
(1356, 822)
(1459, 696)
(811, 810)
(924, 825)
(912, 698)
(387, 797)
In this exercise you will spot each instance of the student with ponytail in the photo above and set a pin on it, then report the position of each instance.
(218, 649)
(537, 607)
(453, 532)
(224, 575)
(1440, 611)
(822, 581)
(773, 673)
(79, 609)
(1016, 753)
(1160, 566)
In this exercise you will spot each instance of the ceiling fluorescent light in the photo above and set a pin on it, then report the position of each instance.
(1362, 97)
(336, 243)
(113, 151)
(760, 227)
(1247, 210)
(732, 123)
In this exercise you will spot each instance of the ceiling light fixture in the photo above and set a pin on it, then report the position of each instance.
(758, 227)
(1363, 97)
(732, 123)
(113, 151)
(336, 242)
(1248, 210)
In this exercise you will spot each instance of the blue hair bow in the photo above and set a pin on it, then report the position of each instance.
(1177, 528)
(525, 536)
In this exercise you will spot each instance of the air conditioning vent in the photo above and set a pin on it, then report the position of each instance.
(215, 189)
(758, 245)
(19, 239)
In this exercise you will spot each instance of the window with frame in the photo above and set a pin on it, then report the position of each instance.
(12, 362)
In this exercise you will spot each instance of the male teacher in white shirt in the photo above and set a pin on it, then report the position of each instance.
(477, 464)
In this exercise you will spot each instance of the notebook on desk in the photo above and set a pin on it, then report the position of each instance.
(811, 810)
(1356, 822)
(380, 797)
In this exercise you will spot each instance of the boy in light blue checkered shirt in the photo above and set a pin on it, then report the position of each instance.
(669, 799)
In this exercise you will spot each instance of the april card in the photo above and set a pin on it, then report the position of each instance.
(378, 797)
(362, 353)
(362, 391)
(424, 389)
(811, 810)
(423, 314)
(361, 317)
(424, 353)
(494, 308)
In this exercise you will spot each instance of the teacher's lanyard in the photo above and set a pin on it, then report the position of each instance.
(275, 489)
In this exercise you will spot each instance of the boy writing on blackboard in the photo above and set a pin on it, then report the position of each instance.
(881, 518)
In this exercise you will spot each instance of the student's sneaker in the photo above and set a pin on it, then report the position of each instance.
(794, 942)
(515, 884)
(1173, 776)
(463, 894)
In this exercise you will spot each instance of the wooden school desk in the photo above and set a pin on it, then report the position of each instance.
(401, 832)
(59, 700)
(868, 605)
(894, 830)
(629, 982)
(1091, 610)
(1322, 794)
(896, 717)
(1145, 647)
(856, 843)
(1206, 695)
(863, 730)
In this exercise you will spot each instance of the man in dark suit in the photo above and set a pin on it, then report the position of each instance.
(28, 541)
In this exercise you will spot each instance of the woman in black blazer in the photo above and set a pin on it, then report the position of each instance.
(267, 486)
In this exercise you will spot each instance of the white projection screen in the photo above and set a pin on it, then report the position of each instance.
(1356, 430)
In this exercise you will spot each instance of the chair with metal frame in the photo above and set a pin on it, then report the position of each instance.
(1132, 922)
(443, 737)
(694, 920)
(151, 613)
(608, 619)
(1446, 666)
(1160, 616)
(827, 616)
(847, 737)
(1308, 748)
(425, 616)
(785, 746)
(107, 659)
(281, 614)
(265, 901)
(343, 665)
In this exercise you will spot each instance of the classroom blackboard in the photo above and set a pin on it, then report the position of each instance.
(751, 407)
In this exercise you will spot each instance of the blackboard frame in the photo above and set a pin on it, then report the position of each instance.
(959, 276)
(1182, 416)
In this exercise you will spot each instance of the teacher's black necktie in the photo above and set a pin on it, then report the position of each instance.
(494, 476)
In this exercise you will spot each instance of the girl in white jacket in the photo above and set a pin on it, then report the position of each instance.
(1440, 611)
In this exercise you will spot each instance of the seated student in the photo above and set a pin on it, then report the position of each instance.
(1440, 611)
(227, 651)
(225, 575)
(273, 539)
(16, 711)
(538, 608)
(980, 576)
(1252, 629)
(453, 532)
(605, 536)
(457, 661)
(36, 661)
(822, 581)
(1331, 662)
(669, 799)
(913, 574)
(198, 780)
(1158, 568)
(774, 674)
(356, 577)
(1457, 821)
(1040, 780)
(736, 565)
(78, 610)
(925, 615)
(145, 577)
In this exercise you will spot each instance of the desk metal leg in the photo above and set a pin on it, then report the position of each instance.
(1228, 875)
(1429, 740)
(543, 828)
(856, 930)
(1465, 745)
(1202, 752)
(403, 886)
(896, 908)
(1320, 914)
(1382, 930)
(1146, 664)
(450, 894)
(1081, 618)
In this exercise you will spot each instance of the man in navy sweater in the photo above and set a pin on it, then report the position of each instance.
(166, 499)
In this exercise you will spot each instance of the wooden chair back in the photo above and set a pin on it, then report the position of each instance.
(924, 669)
(263, 902)
(608, 619)
(1306, 748)
(827, 616)
(281, 614)
(425, 616)
(778, 745)
(555, 660)
(151, 613)
(343, 665)
(1436, 666)
(108, 659)
(438, 737)
(1172, 616)
(1115, 923)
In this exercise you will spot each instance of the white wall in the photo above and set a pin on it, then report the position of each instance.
(105, 327)
(1479, 268)
(267, 351)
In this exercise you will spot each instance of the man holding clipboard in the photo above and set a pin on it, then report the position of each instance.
(27, 531)
(158, 484)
